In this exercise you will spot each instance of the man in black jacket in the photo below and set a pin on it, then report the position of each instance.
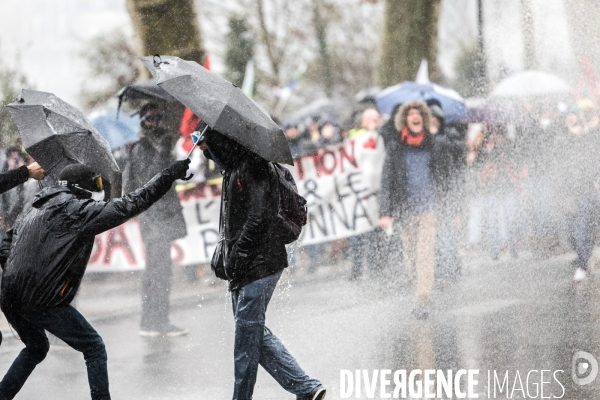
(160, 226)
(38, 286)
(252, 257)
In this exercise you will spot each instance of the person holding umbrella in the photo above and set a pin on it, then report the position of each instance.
(14, 177)
(38, 286)
(252, 259)
(243, 140)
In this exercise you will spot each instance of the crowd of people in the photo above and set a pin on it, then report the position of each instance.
(501, 186)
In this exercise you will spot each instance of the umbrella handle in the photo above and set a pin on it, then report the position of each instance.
(187, 178)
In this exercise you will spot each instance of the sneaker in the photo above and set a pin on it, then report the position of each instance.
(150, 333)
(318, 395)
(580, 275)
(171, 330)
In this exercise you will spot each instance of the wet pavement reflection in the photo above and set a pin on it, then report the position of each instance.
(518, 322)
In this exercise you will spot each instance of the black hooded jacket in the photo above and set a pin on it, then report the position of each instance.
(46, 253)
(251, 249)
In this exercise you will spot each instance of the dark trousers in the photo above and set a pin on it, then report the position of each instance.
(67, 324)
(361, 247)
(156, 281)
(255, 344)
(585, 229)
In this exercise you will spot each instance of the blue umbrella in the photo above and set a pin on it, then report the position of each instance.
(450, 101)
(117, 132)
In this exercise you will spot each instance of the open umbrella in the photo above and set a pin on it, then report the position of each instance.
(222, 105)
(145, 90)
(117, 132)
(450, 101)
(530, 83)
(57, 134)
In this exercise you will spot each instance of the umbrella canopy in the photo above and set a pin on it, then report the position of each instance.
(222, 105)
(450, 101)
(145, 90)
(530, 83)
(57, 134)
(117, 132)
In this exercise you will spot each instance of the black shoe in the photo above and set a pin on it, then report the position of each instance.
(421, 312)
(0, 338)
(318, 395)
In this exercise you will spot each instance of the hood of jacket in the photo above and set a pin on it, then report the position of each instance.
(229, 152)
(402, 115)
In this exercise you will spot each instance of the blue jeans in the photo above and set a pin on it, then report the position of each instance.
(255, 344)
(587, 219)
(67, 324)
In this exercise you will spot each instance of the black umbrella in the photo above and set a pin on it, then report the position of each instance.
(57, 134)
(222, 105)
(145, 90)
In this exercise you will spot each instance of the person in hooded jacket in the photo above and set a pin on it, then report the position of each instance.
(408, 196)
(38, 286)
(160, 226)
(252, 257)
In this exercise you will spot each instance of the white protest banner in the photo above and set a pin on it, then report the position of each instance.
(340, 183)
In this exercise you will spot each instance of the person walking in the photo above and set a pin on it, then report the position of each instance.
(449, 151)
(408, 197)
(159, 226)
(252, 257)
(44, 258)
(365, 245)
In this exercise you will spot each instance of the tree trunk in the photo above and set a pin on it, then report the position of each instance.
(410, 35)
(167, 27)
(529, 58)
(320, 25)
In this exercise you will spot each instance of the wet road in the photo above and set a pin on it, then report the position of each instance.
(516, 316)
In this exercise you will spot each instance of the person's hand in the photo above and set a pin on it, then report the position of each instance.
(385, 222)
(36, 171)
(203, 146)
(179, 168)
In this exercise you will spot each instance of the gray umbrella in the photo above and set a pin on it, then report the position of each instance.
(222, 105)
(57, 134)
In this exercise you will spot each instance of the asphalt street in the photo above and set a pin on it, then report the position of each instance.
(512, 315)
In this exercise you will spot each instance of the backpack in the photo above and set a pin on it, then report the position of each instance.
(291, 213)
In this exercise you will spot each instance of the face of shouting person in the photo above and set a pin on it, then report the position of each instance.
(414, 121)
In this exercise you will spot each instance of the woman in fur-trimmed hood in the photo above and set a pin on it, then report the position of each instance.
(408, 194)
(412, 129)
(402, 115)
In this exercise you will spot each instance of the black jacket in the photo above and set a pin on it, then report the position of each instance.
(446, 154)
(46, 253)
(12, 178)
(251, 249)
(146, 159)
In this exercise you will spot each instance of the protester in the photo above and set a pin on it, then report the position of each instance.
(294, 139)
(449, 151)
(408, 196)
(159, 226)
(365, 244)
(576, 180)
(313, 141)
(252, 258)
(44, 258)
(499, 185)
